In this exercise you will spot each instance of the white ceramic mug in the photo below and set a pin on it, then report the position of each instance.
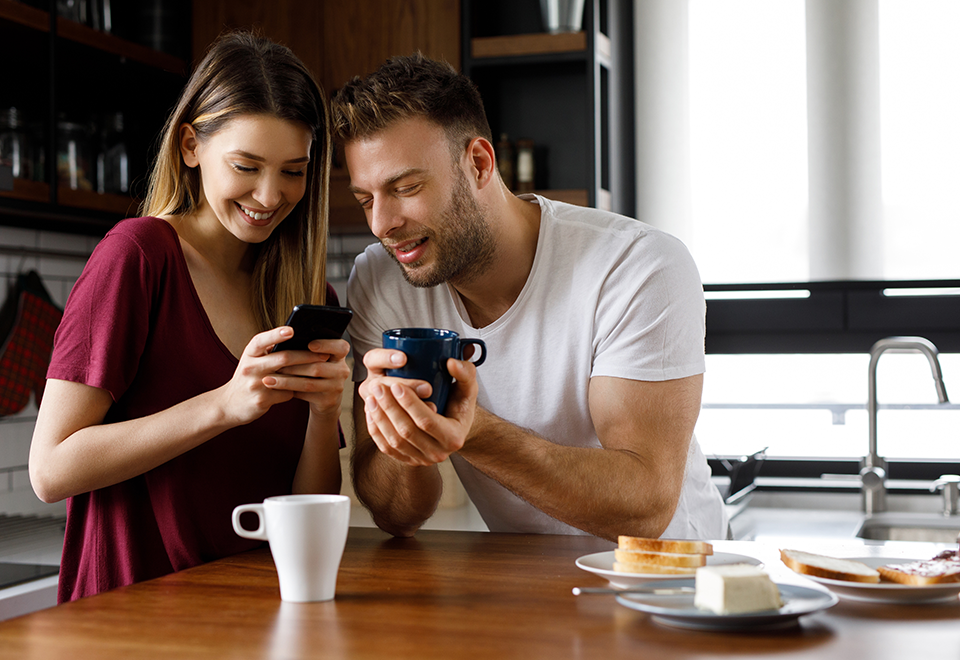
(307, 534)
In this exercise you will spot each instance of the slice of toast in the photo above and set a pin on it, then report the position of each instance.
(659, 558)
(831, 568)
(653, 569)
(928, 571)
(665, 545)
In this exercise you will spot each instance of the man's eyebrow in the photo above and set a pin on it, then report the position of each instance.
(389, 182)
(261, 159)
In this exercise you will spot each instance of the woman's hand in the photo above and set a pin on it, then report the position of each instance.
(317, 376)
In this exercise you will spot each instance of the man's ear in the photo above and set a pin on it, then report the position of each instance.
(481, 161)
(188, 145)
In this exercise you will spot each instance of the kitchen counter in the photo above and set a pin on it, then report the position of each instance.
(457, 594)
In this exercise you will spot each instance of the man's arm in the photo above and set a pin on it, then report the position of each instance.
(630, 486)
(400, 497)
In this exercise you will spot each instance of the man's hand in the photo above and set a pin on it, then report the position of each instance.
(405, 427)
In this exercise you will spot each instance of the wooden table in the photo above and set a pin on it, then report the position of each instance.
(444, 595)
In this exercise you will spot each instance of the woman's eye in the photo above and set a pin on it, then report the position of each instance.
(299, 173)
(243, 168)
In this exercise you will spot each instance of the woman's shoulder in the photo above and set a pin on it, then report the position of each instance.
(148, 234)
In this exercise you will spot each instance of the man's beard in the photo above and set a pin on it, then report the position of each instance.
(463, 245)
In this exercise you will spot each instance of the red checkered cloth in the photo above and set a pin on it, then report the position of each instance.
(25, 351)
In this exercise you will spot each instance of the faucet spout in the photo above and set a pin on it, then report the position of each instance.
(873, 467)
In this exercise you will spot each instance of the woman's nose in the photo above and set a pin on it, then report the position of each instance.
(269, 192)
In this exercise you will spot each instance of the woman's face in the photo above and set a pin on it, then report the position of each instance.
(253, 172)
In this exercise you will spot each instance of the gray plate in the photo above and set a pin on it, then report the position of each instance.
(679, 610)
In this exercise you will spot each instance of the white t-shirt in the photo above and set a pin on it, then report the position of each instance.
(607, 296)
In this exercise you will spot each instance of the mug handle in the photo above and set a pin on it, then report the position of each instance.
(475, 342)
(260, 533)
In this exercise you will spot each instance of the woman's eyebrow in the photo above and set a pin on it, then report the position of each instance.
(250, 156)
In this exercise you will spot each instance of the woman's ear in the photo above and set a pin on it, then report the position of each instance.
(188, 145)
(482, 161)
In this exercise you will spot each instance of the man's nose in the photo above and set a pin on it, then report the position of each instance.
(383, 217)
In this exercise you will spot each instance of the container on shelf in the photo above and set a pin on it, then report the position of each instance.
(75, 163)
(525, 166)
(562, 15)
(19, 148)
(113, 163)
(505, 161)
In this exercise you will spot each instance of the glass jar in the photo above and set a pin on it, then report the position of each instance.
(16, 150)
(74, 156)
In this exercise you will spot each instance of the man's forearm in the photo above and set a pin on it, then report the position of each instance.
(400, 497)
(605, 492)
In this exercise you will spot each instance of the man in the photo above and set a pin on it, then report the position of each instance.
(581, 419)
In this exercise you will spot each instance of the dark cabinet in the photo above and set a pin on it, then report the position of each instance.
(571, 93)
(80, 112)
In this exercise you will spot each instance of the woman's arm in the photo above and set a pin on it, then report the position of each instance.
(73, 452)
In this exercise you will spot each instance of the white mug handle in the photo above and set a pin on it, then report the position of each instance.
(260, 533)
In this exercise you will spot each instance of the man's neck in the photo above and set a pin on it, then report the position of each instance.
(487, 297)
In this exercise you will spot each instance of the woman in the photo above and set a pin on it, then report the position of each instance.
(164, 407)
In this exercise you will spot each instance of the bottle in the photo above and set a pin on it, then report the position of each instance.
(505, 158)
(525, 166)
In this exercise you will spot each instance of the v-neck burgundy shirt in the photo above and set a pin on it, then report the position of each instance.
(134, 326)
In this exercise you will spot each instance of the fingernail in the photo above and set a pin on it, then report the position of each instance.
(423, 390)
(376, 391)
(286, 332)
(371, 404)
(269, 381)
(397, 390)
(396, 358)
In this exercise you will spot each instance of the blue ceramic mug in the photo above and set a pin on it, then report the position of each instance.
(427, 351)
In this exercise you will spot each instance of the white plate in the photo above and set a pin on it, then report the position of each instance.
(679, 610)
(889, 592)
(601, 563)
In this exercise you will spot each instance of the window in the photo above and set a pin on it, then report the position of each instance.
(810, 141)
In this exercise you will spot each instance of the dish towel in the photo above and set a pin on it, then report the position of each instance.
(28, 322)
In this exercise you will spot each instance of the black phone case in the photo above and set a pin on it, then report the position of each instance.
(311, 322)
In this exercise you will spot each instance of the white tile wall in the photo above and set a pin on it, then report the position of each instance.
(16, 431)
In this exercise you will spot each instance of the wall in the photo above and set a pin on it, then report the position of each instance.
(58, 274)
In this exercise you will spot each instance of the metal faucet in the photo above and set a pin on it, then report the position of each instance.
(873, 468)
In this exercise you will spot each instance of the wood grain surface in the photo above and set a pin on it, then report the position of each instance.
(444, 595)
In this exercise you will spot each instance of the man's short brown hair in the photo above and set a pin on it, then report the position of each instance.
(408, 87)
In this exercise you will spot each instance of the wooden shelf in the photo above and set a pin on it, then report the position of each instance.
(31, 191)
(17, 12)
(109, 43)
(528, 44)
(574, 196)
(87, 199)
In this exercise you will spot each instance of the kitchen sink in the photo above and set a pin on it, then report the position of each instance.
(893, 526)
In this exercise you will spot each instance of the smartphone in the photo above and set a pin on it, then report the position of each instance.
(311, 322)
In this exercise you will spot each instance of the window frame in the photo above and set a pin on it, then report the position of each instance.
(837, 317)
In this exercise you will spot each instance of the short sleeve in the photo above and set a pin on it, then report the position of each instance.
(107, 317)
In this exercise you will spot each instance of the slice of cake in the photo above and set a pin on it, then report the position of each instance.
(735, 589)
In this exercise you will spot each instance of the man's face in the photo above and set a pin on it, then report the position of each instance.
(419, 203)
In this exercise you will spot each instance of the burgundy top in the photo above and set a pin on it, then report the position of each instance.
(134, 326)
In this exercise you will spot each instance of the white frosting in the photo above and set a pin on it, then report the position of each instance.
(735, 589)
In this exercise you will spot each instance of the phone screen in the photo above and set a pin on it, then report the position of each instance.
(311, 322)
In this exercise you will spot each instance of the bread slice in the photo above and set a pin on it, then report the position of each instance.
(653, 569)
(928, 571)
(831, 568)
(665, 545)
(659, 558)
